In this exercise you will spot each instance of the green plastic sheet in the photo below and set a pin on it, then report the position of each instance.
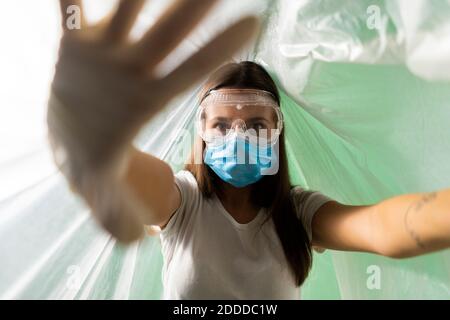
(366, 97)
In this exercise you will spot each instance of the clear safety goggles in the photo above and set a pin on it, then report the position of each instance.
(252, 113)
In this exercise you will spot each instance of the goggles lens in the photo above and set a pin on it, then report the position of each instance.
(257, 119)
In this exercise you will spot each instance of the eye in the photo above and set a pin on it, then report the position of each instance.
(221, 126)
(259, 126)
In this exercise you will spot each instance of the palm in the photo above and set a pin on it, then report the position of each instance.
(106, 89)
(103, 56)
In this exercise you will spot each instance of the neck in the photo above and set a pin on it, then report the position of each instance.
(235, 197)
(237, 202)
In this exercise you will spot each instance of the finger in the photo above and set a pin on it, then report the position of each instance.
(123, 20)
(169, 31)
(72, 17)
(210, 57)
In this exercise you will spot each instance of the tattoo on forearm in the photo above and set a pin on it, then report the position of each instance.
(417, 206)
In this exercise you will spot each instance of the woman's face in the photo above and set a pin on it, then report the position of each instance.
(240, 128)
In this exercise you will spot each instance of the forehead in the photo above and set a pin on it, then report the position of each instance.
(239, 112)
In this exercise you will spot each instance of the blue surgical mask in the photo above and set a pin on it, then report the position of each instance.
(241, 162)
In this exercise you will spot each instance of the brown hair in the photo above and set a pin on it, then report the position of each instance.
(272, 191)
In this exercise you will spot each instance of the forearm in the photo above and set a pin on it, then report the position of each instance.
(152, 181)
(415, 224)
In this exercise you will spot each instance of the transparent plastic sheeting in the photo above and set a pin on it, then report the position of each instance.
(366, 97)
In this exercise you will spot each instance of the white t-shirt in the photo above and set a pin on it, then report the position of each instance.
(209, 255)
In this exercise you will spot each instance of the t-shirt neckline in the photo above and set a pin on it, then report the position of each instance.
(238, 225)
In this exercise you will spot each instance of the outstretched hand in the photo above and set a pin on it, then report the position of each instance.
(105, 86)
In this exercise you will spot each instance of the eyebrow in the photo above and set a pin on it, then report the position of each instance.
(258, 118)
(219, 119)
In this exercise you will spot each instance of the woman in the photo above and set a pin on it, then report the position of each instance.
(232, 226)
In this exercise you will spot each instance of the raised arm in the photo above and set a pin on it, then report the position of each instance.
(105, 89)
(399, 227)
(152, 181)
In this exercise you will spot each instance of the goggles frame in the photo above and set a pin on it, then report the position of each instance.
(233, 97)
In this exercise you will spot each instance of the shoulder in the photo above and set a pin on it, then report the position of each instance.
(304, 198)
(306, 203)
(188, 187)
(185, 177)
(301, 196)
(190, 203)
(187, 184)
